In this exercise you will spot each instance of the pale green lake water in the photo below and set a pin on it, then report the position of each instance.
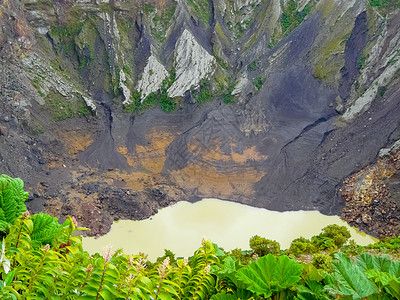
(180, 228)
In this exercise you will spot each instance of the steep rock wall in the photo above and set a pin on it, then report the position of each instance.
(271, 103)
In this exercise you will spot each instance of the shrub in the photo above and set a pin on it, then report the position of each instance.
(302, 246)
(339, 234)
(362, 58)
(322, 261)
(253, 66)
(204, 93)
(258, 82)
(262, 246)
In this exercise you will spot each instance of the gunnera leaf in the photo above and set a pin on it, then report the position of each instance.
(45, 229)
(270, 275)
(366, 261)
(348, 279)
(12, 200)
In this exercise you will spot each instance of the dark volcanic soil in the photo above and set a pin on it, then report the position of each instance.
(282, 146)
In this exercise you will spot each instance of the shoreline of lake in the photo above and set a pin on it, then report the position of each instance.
(180, 228)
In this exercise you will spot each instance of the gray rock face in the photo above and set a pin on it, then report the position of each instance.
(193, 63)
(153, 75)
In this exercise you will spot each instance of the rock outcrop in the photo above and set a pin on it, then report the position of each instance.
(193, 63)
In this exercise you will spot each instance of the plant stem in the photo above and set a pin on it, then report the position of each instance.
(101, 282)
(129, 290)
(16, 245)
(19, 234)
(37, 271)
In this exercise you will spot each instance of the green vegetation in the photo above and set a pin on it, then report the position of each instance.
(105, 7)
(44, 3)
(331, 238)
(270, 276)
(228, 97)
(84, 62)
(386, 245)
(202, 9)
(253, 66)
(334, 235)
(42, 259)
(262, 246)
(36, 84)
(83, 110)
(35, 127)
(327, 67)
(384, 7)
(159, 97)
(239, 18)
(258, 82)
(161, 21)
(203, 93)
(239, 29)
(361, 60)
(302, 246)
(12, 200)
(384, 3)
(115, 81)
(62, 108)
(75, 41)
(45, 229)
(66, 36)
(382, 90)
(322, 261)
(291, 18)
(85, 43)
(127, 70)
(166, 103)
(148, 9)
(135, 102)
(72, 29)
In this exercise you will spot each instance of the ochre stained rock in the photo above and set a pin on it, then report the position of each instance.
(150, 157)
(208, 181)
(76, 141)
(217, 154)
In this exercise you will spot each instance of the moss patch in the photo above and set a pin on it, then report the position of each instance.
(61, 108)
(385, 5)
(291, 17)
(220, 33)
(202, 9)
(35, 127)
(161, 22)
(258, 82)
(86, 43)
(331, 60)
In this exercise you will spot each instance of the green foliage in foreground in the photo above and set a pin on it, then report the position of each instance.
(12, 200)
(42, 259)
